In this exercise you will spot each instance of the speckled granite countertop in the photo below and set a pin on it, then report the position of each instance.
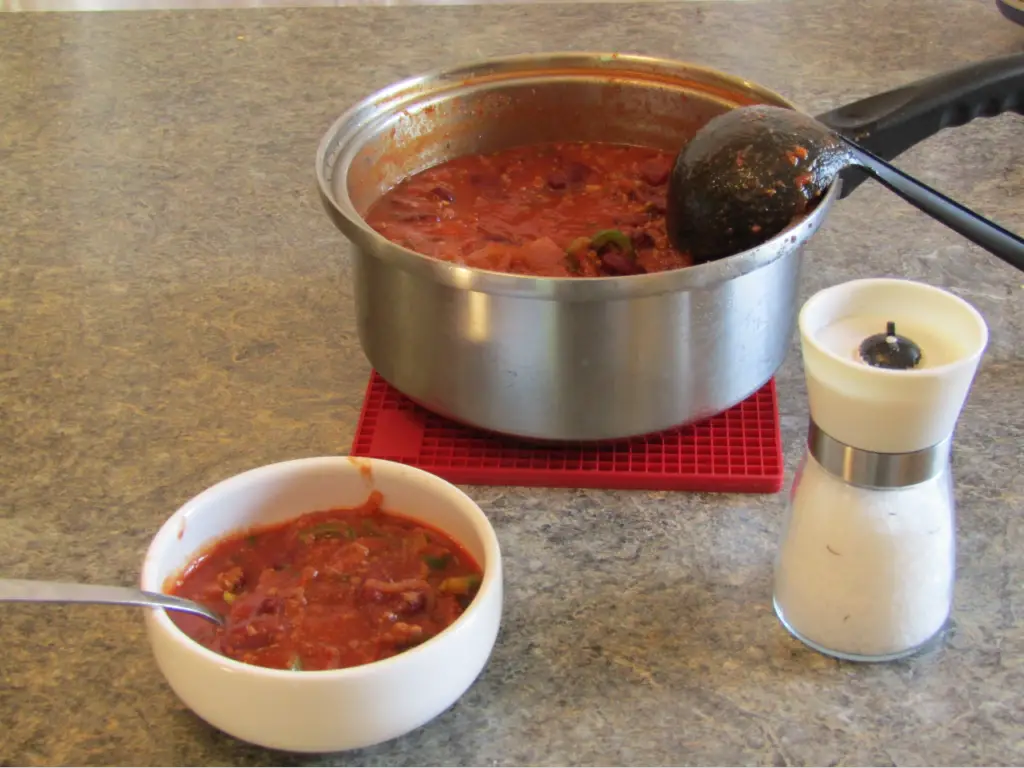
(175, 307)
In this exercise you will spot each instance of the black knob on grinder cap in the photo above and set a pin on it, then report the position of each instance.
(889, 350)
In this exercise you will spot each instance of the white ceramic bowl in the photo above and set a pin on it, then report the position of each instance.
(325, 711)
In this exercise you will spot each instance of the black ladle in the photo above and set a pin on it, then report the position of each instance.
(752, 171)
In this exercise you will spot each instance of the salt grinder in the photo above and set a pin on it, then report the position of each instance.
(866, 565)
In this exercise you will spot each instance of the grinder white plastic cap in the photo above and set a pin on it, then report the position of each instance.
(886, 410)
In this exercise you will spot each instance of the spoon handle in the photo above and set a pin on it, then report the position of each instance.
(975, 227)
(892, 122)
(29, 591)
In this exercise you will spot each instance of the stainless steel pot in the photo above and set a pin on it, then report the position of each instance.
(570, 359)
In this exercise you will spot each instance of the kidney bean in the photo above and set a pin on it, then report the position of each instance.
(443, 193)
(557, 180)
(616, 262)
(641, 238)
(577, 172)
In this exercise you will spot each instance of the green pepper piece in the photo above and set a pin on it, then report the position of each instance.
(438, 562)
(295, 665)
(613, 237)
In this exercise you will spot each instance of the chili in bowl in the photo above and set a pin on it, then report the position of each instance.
(361, 598)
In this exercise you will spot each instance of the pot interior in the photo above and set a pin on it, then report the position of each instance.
(500, 104)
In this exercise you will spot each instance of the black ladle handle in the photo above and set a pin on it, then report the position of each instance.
(976, 228)
(892, 122)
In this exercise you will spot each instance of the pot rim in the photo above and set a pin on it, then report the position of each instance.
(346, 133)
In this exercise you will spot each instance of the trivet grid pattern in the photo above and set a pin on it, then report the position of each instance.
(736, 451)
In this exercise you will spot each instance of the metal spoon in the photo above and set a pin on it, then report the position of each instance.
(749, 172)
(27, 591)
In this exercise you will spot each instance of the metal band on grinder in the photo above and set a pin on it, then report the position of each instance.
(876, 470)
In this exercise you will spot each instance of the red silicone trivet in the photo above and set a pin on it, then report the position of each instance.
(738, 451)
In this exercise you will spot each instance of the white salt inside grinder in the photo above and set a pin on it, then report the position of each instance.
(867, 573)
